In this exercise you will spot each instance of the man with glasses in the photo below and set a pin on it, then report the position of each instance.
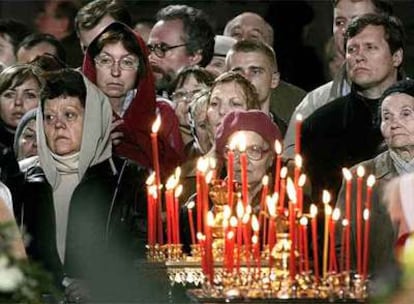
(181, 37)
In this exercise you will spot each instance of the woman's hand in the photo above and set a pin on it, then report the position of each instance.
(116, 136)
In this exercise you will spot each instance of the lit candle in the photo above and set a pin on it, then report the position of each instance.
(230, 172)
(283, 174)
(304, 225)
(326, 197)
(299, 120)
(360, 175)
(290, 187)
(233, 225)
(169, 197)
(366, 243)
(348, 178)
(314, 216)
(176, 228)
(255, 241)
(265, 189)
(333, 260)
(243, 163)
(271, 207)
(155, 159)
(229, 251)
(344, 257)
(199, 189)
(298, 167)
(301, 183)
(278, 149)
(370, 184)
(150, 205)
(209, 246)
(213, 164)
(190, 207)
(201, 238)
(239, 213)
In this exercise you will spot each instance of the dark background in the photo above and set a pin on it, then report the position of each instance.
(301, 28)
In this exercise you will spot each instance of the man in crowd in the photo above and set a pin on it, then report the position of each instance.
(182, 36)
(12, 33)
(38, 44)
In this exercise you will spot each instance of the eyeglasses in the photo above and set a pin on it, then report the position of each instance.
(184, 96)
(125, 63)
(161, 48)
(253, 152)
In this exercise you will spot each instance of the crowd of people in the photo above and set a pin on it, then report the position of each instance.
(79, 96)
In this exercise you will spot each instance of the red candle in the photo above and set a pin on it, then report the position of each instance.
(298, 167)
(230, 173)
(348, 178)
(292, 226)
(304, 225)
(169, 197)
(150, 224)
(278, 149)
(333, 260)
(243, 163)
(190, 207)
(233, 227)
(370, 184)
(298, 130)
(155, 159)
(344, 262)
(314, 216)
(265, 189)
(366, 243)
(326, 197)
(209, 246)
(271, 207)
(283, 174)
(199, 193)
(360, 174)
(301, 183)
(239, 213)
(176, 227)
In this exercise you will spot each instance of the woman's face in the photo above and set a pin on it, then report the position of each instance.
(15, 102)
(202, 131)
(116, 70)
(225, 98)
(63, 123)
(259, 157)
(27, 145)
(397, 121)
(183, 96)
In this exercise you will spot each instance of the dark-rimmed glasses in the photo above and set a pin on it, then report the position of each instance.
(160, 49)
(253, 152)
(125, 63)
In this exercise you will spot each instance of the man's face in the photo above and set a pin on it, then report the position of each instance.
(217, 65)
(27, 55)
(370, 63)
(46, 21)
(344, 11)
(257, 68)
(168, 33)
(248, 26)
(7, 56)
(87, 36)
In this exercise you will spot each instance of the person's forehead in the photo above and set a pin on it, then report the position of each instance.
(241, 57)
(167, 31)
(250, 21)
(369, 33)
(351, 8)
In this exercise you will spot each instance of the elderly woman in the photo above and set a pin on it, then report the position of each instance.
(77, 206)
(397, 127)
(117, 62)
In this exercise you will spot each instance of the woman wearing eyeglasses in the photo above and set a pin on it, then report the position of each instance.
(117, 62)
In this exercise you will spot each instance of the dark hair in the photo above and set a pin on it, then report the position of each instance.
(199, 73)
(403, 86)
(92, 13)
(16, 74)
(65, 82)
(48, 63)
(67, 9)
(199, 34)
(381, 6)
(393, 28)
(252, 99)
(15, 30)
(33, 40)
(117, 32)
(247, 46)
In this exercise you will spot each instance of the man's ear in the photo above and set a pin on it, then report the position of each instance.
(397, 57)
(196, 58)
(275, 80)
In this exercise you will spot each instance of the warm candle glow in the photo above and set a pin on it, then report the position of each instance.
(291, 192)
(255, 239)
(246, 218)
(271, 206)
(371, 181)
(336, 214)
(265, 180)
(200, 236)
(171, 183)
(313, 210)
(153, 191)
(190, 205)
(278, 147)
(299, 117)
(242, 143)
(230, 235)
(328, 210)
(345, 222)
(248, 209)
(302, 180)
(239, 209)
(151, 179)
(202, 164)
(255, 223)
(209, 177)
(226, 212)
(347, 174)
(326, 197)
(233, 143)
(360, 171)
(283, 172)
(178, 190)
(213, 162)
(177, 173)
(366, 214)
(156, 125)
(298, 161)
(233, 221)
(303, 221)
(210, 219)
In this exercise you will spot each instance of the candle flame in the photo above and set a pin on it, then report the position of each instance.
(233, 221)
(299, 117)
(209, 177)
(200, 236)
(213, 162)
(336, 214)
(210, 219)
(283, 172)
(290, 189)
(278, 147)
(151, 179)
(347, 174)
(360, 171)
(239, 209)
(230, 235)
(326, 197)
(233, 143)
(242, 143)
(371, 181)
(255, 239)
(156, 125)
(153, 191)
(246, 218)
(303, 221)
(255, 223)
(366, 214)
(248, 209)
(302, 180)
(313, 210)
(345, 222)
(271, 206)
(170, 183)
(298, 161)
(178, 191)
(190, 205)
(328, 209)
(202, 164)
(226, 212)
(177, 173)
(265, 180)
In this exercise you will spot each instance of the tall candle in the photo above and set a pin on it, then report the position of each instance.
(304, 225)
(199, 189)
(298, 130)
(230, 172)
(233, 227)
(360, 175)
(190, 207)
(265, 189)
(344, 258)
(348, 178)
(298, 167)
(271, 207)
(169, 197)
(278, 149)
(333, 260)
(370, 184)
(176, 227)
(292, 226)
(150, 223)
(243, 163)
(366, 243)
(209, 246)
(301, 183)
(155, 159)
(326, 197)
(314, 216)
(283, 174)
(239, 213)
